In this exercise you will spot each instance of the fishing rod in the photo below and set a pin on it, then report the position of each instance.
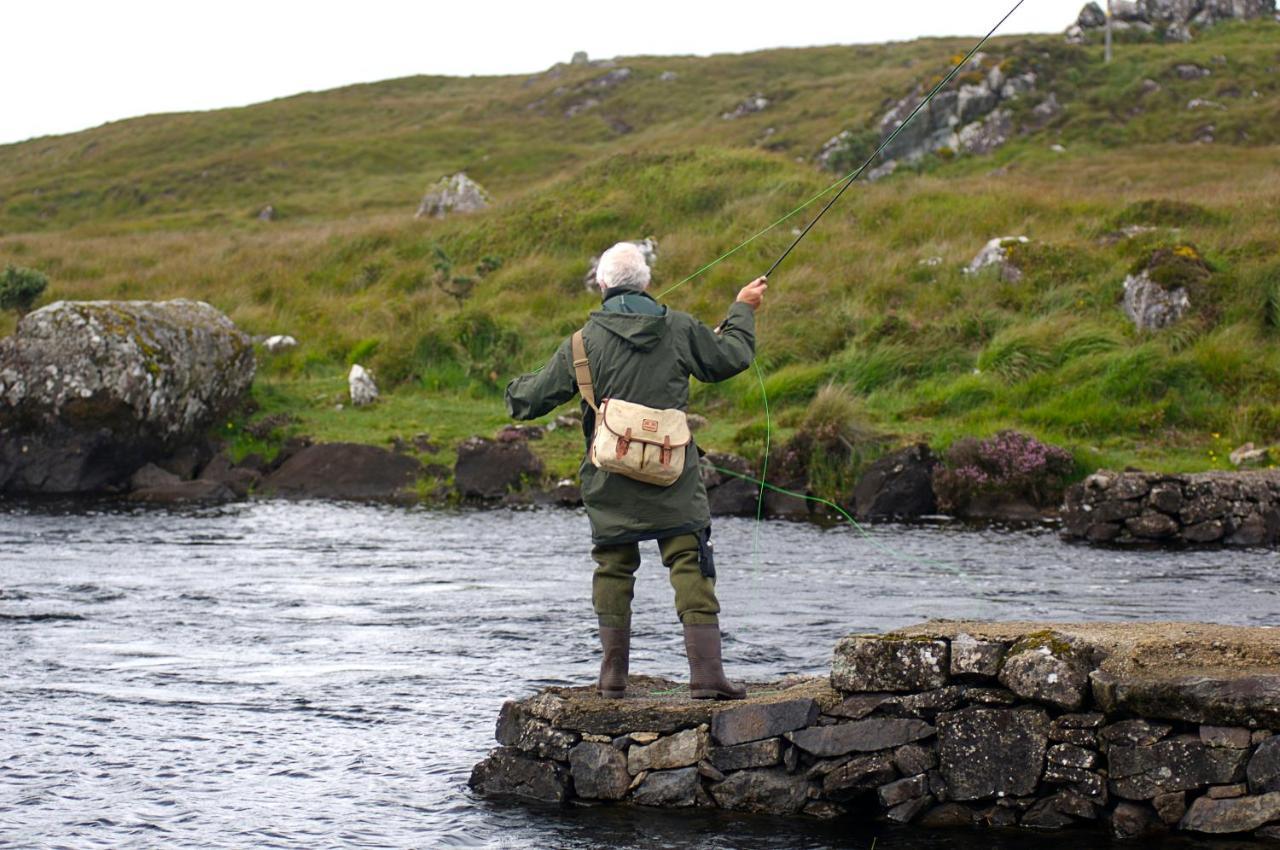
(844, 183)
(889, 140)
(848, 180)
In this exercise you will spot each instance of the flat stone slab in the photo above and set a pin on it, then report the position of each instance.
(660, 705)
(1193, 672)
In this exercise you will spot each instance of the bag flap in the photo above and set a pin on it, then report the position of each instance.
(647, 424)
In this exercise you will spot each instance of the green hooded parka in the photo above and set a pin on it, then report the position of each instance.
(642, 352)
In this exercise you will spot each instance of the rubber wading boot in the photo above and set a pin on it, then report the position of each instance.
(706, 673)
(613, 666)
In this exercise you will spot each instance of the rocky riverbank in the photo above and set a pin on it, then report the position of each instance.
(1132, 728)
(129, 397)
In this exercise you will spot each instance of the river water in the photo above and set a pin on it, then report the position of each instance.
(271, 674)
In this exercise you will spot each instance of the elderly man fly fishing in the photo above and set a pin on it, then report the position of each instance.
(631, 364)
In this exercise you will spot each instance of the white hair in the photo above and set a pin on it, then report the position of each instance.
(623, 266)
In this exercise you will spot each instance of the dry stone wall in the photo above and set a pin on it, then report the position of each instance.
(1132, 729)
(1231, 508)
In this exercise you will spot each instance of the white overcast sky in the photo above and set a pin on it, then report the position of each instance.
(66, 65)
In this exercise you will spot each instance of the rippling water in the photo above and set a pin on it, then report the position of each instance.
(316, 675)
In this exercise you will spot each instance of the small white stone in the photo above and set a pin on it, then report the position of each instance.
(363, 390)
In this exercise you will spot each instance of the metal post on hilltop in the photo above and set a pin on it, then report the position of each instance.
(1108, 48)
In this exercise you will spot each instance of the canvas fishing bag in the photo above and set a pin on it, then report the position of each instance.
(630, 439)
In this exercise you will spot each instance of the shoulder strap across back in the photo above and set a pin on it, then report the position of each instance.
(582, 371)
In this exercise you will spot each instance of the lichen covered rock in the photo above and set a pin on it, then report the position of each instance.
(457, 193)
(92, 390)
(889, 663)
(1047, 668)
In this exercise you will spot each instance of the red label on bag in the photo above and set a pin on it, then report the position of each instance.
(649, 424)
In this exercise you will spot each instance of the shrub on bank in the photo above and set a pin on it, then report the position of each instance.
(1009, 467)
(19, 288)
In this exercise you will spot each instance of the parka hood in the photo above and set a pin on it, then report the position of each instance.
(641, 332)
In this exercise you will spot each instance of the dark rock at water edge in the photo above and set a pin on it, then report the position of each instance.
(728, 495)
(240, 479)
(347, 471)
(489, 470)
(158, 486)
(674, 788)
(509, 773)
(769, 791)
(899, 485)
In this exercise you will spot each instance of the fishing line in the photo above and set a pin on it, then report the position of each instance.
(843, 184)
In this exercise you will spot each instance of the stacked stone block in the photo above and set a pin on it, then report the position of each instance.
(1211, 508)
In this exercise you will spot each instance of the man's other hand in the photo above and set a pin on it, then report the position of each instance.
(753, 293)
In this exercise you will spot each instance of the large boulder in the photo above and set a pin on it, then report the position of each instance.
(457, 193)
(898, 485)
(93, 390)
(347, 471)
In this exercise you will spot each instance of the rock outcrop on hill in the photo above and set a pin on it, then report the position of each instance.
(92, 390)
(1174, 19)
(455, 194)
(958, 119)
(1159, 294)
(972, 116)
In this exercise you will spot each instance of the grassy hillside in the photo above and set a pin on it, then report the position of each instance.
(875, 300)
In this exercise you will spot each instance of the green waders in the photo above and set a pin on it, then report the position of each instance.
(613, 585)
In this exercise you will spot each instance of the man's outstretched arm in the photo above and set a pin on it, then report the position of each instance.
(719, 355)
(539, 393)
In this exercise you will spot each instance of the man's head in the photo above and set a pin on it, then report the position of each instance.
(623, 266)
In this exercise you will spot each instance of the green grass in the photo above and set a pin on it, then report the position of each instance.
(164, 206)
